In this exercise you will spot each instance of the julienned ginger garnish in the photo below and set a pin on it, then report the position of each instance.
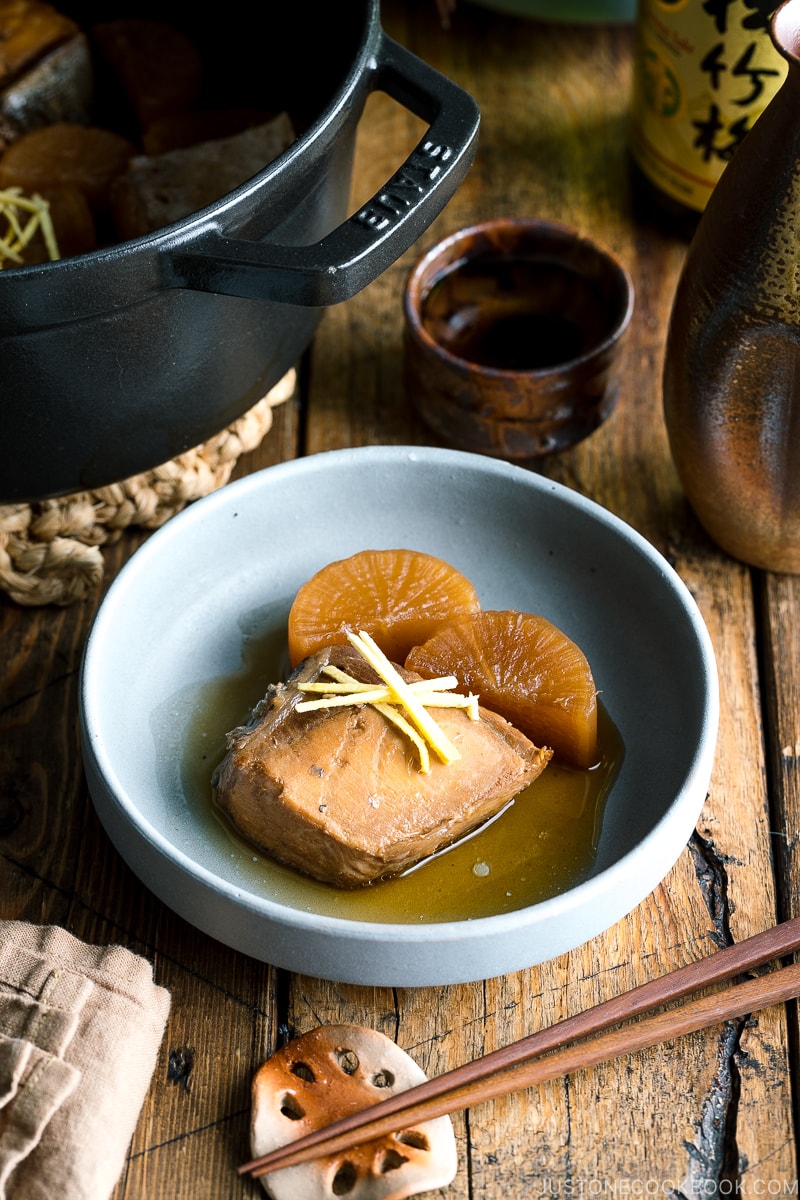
(23, 216)
(414, 698)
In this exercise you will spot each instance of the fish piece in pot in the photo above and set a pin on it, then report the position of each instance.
(338, 793)
(156, 190)
(45, 69)
(148, 67)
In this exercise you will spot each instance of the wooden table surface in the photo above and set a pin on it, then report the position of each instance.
(709, 1114)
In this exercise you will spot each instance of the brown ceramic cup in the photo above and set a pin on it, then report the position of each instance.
(512, 337)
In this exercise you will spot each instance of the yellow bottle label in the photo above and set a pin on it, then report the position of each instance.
(704, 70)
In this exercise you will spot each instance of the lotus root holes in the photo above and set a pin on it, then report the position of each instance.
(392, 1160)
(303, 1071)
(344, 1180)
(291, 1108)
(348, 1061)
(321, 1076)
(414, 1138)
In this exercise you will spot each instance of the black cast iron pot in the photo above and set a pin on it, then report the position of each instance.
(116, 361)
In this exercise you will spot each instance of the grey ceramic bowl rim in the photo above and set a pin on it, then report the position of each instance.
(625, 874)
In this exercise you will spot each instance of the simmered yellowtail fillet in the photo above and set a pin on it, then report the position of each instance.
(337, 792)
(58, 87)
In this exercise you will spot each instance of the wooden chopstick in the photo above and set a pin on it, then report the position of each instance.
(556, 1051)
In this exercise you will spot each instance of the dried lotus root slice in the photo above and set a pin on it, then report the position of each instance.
(323, 1075)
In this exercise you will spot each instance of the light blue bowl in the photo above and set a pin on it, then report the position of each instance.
(179, 615)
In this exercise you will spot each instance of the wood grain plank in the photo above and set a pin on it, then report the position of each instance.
(779, 597)
(708, 1112)
(561, 123)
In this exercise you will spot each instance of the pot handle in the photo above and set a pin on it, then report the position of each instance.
(360, 249)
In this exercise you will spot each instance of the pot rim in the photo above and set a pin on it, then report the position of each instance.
(177, 233)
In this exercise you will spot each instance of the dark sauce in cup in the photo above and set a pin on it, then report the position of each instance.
(515, 313)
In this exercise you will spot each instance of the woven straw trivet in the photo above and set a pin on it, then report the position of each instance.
(50, 550)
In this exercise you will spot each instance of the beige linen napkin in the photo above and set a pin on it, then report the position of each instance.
(80, 1029)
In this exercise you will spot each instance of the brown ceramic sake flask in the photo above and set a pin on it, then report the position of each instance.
(732, 364)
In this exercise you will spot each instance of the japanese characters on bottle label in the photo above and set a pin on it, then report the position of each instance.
(704, 70)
